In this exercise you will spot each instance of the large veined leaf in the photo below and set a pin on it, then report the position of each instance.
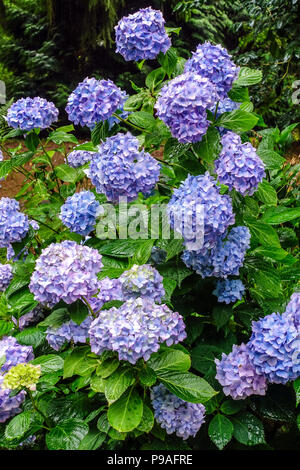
(248, 429)
(238, 121)
(187, 386)
(67, 435)
(117, 383)
(248, 77)
(220, 430)
(169, 360)
(126, 413)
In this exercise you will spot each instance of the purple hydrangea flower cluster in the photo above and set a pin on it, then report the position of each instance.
(79, 158)
(32, 113)
(239, 166)
(13, 224)
(69, 331)
(109, 289)
(274, 348)
(120, 169)
(225, 259)
(136, 329)
(229, 290)
(175, 414)
(9, 406)
(6, 276)
(293, 309)
(65, 271)
(237, 375)
(32, 317)
(94, 101)
(14, 353)
(214, 63)
(142, 35)
(80, 211)
(142, 281)
(200, 192)
(182, 105)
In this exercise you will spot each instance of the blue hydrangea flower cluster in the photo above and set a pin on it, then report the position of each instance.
(239, 166)
(226, 106)
(109, 289)
(80, 211)
(142, 281)
(65, 271)
(293, 309)
(94, 101)
(142, 35)
(175, 414)
(69, 331)
(14, 353)
(229, 290)
(32, 317)
(274, 348)
(120, 169)
(214, 63)
(32, 113)
(9, 406)
(182, 105)
(237, 375)
(194, 192)
(13, 224)
(6, 276)
(78, 158)
(225, 259)
(136, 329)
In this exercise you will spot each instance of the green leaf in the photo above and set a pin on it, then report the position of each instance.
(221, 315)
(66, 173)
(265, 234)
(231, 407)
(107, 367)
(126, 413)
(248, 77)
(49, 363)
(78, 311)
(187, 386)
(97, 384)
(100, 132)
(32, 141)
(173, 360)
(122, 248)
(31, 337)
(266, 193)
(142, 119)
(169, 286)
(209, 147)
(296, 385)
(271, 159)
(248, 429)
(147, 376)
(203, 358)
(238, 121)
(5, 327)
(220, 431)
(60, 136)
(56, 318)
(173, 150)
(117, 383)
(279, 215)
(147, 422)
(298, 421)
(143, 252)
(239, 94)
(18, 426)
(92, 441)
(77, 363)
(155, 78)
(168, 61)
(67, 435)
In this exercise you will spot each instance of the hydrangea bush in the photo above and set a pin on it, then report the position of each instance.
(150, 341)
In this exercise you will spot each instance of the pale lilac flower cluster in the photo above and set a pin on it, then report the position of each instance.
(229, 290)
(136, 329)
(293, 310)
(14, 225)
(214, 63)
(9, 406)
(78, 158)
(69, 331)
(142, 35)
(80, 211)
(239, 166)
(6, 276)
(32, 113)
(274, 348)
(182, 105)
(195, 193)
(225, 259)
(237, 375)
(32, 317)
(65, 271)
(142, 281)
(94, 101)
(120, 169)
(175, 414)
(14, 353)
(109, 289)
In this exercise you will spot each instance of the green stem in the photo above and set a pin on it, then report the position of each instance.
(52, 167)
(216, 110)
(37, 409)
(89, 307)
(130, 123)
(45, 225)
